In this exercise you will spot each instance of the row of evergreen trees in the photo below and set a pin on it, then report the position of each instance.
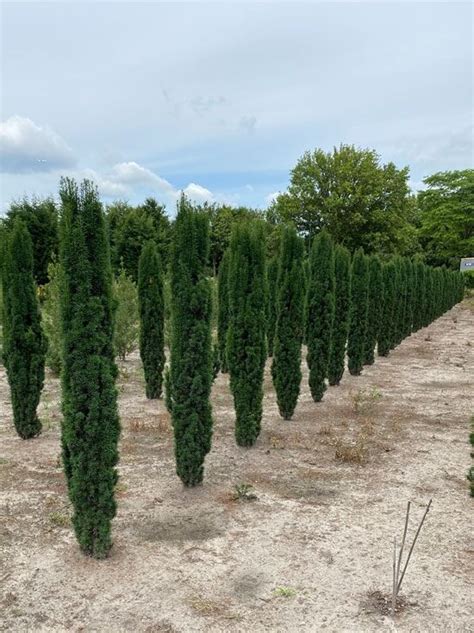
(336, 304)
(330, 302)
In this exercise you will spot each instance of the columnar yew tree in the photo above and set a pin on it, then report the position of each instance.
(152, 315)
(356, 343)
(286, 366)
(271, 302)
(342, 267)
(246, 350)
(388, 300)
(410, 293)
(91, 427)
(24, 345)
(191, 353)
(223, 309)
(418, 299)
(320, 313)
(374, 312)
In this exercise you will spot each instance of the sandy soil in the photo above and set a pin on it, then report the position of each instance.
(309, 554)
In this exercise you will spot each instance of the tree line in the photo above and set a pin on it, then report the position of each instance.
(360, 201)
(332, 301)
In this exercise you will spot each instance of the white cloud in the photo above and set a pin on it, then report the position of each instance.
(196, 193)
(135, 174)
(27, 147)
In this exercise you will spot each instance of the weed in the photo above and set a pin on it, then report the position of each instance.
(244, 492)
(364, 400)
(207, 607)
(284, 592)
(59, 519)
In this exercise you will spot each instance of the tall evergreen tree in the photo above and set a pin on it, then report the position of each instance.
(91, 426)
(246, 350)
(320, 313)
(271, 301)
(374, 312)
(388, 299)
(152, 314)
(24, 344)
(410, 293)
(342, 267)
(399, 309)
(286, 366)
(191, 353)
(356, 343)
(223, 309)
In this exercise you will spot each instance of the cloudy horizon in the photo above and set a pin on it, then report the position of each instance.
(220, 100)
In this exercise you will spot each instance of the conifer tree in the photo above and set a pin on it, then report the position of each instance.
(356, 343)
(152, 315)
(223, 309)
(410, 293)
(320, 313)
(271, 302)
(342, 267)
(91, 427)
(419, 294)
(246, 349)
(286, 366)
(402, 299)
(374, 313)
(191, 353)
(386, 332)
(24, 344)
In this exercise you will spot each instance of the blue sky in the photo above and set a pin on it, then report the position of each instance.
(220, 99)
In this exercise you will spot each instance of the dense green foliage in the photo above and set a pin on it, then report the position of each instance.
(51, 317)
(342, 268)
(246, 349)
(41, 220)
(91, 426)
(447, 217)
(24, 344)
(387, 331)
(191, 354)
(130, 228)
(271, 301)
(152, 319)
(361, 202)
(356, 344)
(286, 365)
(320, 306)
(374, 313)
(126, 315)
(223, 310)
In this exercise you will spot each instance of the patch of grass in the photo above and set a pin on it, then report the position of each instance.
(284, 592)
(121, 487)
(3, 461)
(355, 451)
(277, 442)
(244, 492)
(59, 519)
(212, 608)
(363, 400)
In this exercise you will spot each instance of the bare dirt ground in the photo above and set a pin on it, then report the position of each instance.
(309, 554)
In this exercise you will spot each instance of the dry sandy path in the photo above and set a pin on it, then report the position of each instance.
(304, 556)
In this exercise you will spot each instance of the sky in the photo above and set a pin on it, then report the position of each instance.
(221, 99)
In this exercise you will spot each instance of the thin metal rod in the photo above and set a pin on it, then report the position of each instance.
(413, 545)
(395, 579)
(403, 541)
